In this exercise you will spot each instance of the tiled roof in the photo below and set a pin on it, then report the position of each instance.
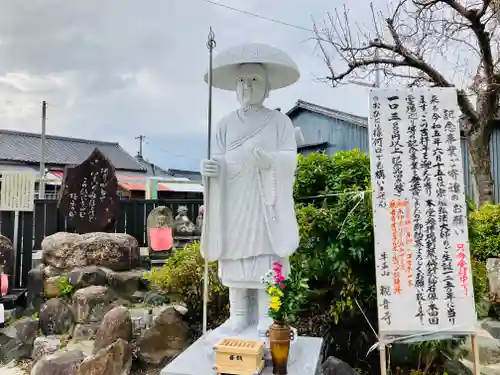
(25, 147)
(349, 117)
(151, 168)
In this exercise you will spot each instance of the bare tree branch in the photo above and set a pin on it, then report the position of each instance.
(444, 43)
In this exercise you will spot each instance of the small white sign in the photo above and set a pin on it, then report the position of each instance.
(18, 191)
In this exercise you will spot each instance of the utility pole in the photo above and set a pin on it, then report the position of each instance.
(41, 183)
(141, 139)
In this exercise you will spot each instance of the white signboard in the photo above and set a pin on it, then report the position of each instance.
(18, 191)
(424, 279)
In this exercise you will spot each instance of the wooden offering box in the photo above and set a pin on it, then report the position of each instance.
(239, 357)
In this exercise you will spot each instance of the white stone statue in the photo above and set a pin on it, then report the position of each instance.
(250, 219)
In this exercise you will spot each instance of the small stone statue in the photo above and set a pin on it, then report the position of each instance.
(182, 225)
(249, 211)
(199, 221)
(160, 217)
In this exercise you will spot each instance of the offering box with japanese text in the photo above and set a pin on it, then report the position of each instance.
(423, 267)
(239, 356)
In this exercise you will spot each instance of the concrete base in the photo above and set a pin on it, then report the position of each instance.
(199, 358)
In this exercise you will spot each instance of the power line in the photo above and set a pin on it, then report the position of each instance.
(283, 23)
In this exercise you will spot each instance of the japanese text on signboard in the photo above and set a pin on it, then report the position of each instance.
(422, 254)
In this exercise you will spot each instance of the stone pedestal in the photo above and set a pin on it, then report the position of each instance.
(199, 358)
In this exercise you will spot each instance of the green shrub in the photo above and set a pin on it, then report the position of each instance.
(336, 252)
(181, 278)
(336, 255)
(484, 232)
(479, 279)
(336, 248)
(66, 290)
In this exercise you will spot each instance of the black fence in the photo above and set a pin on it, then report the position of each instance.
(46, 220)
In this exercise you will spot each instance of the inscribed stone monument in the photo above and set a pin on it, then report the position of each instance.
(249, 220)
(89, 197)
(159, 218)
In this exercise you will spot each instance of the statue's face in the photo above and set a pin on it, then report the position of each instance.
(251, 85)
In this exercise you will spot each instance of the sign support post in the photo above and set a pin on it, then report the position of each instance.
(475, 351)
(383, 362)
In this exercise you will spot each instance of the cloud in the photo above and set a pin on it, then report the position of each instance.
(113, 70)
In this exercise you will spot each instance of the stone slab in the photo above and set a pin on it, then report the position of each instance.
(36, 257)
(199, 359)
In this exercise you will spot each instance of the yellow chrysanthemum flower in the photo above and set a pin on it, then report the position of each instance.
(273, 291)
(275, 303)
(275, 306)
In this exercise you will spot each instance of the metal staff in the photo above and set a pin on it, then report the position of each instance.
(210, 45)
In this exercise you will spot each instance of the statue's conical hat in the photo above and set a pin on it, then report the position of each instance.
(281, 69)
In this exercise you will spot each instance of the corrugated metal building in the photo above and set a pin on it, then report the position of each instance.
(328, 130)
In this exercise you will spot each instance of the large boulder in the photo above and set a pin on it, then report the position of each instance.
(92, 303)
(117, 324)
(116, 251)
(335, 366)
(83, 332)
(56, 317)
(454, 367)
(492, 327)
(35, 288)
(50, 271)
(59, 363)
(154, 299)
(493, 273)
(45, 345)
(115, 359)
(167, 338)
(489, 348)
(62, 251)
(126, 283)
(85, 346)
(88, 276)
(51, 288)
(16, 340)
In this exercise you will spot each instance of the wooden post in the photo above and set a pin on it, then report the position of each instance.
(383, 362)
(475, 351)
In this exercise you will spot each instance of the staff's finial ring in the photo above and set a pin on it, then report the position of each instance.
(211, 40)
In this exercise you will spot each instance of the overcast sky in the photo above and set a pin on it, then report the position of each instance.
(114, 69)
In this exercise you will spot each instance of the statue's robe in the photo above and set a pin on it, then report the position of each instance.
(250, 217)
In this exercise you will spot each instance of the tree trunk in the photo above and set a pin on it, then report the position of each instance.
(480, 163)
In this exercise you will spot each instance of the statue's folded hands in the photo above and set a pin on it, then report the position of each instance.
(264, 160)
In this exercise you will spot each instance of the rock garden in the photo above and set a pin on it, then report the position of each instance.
(92, 311)
(95, 306)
